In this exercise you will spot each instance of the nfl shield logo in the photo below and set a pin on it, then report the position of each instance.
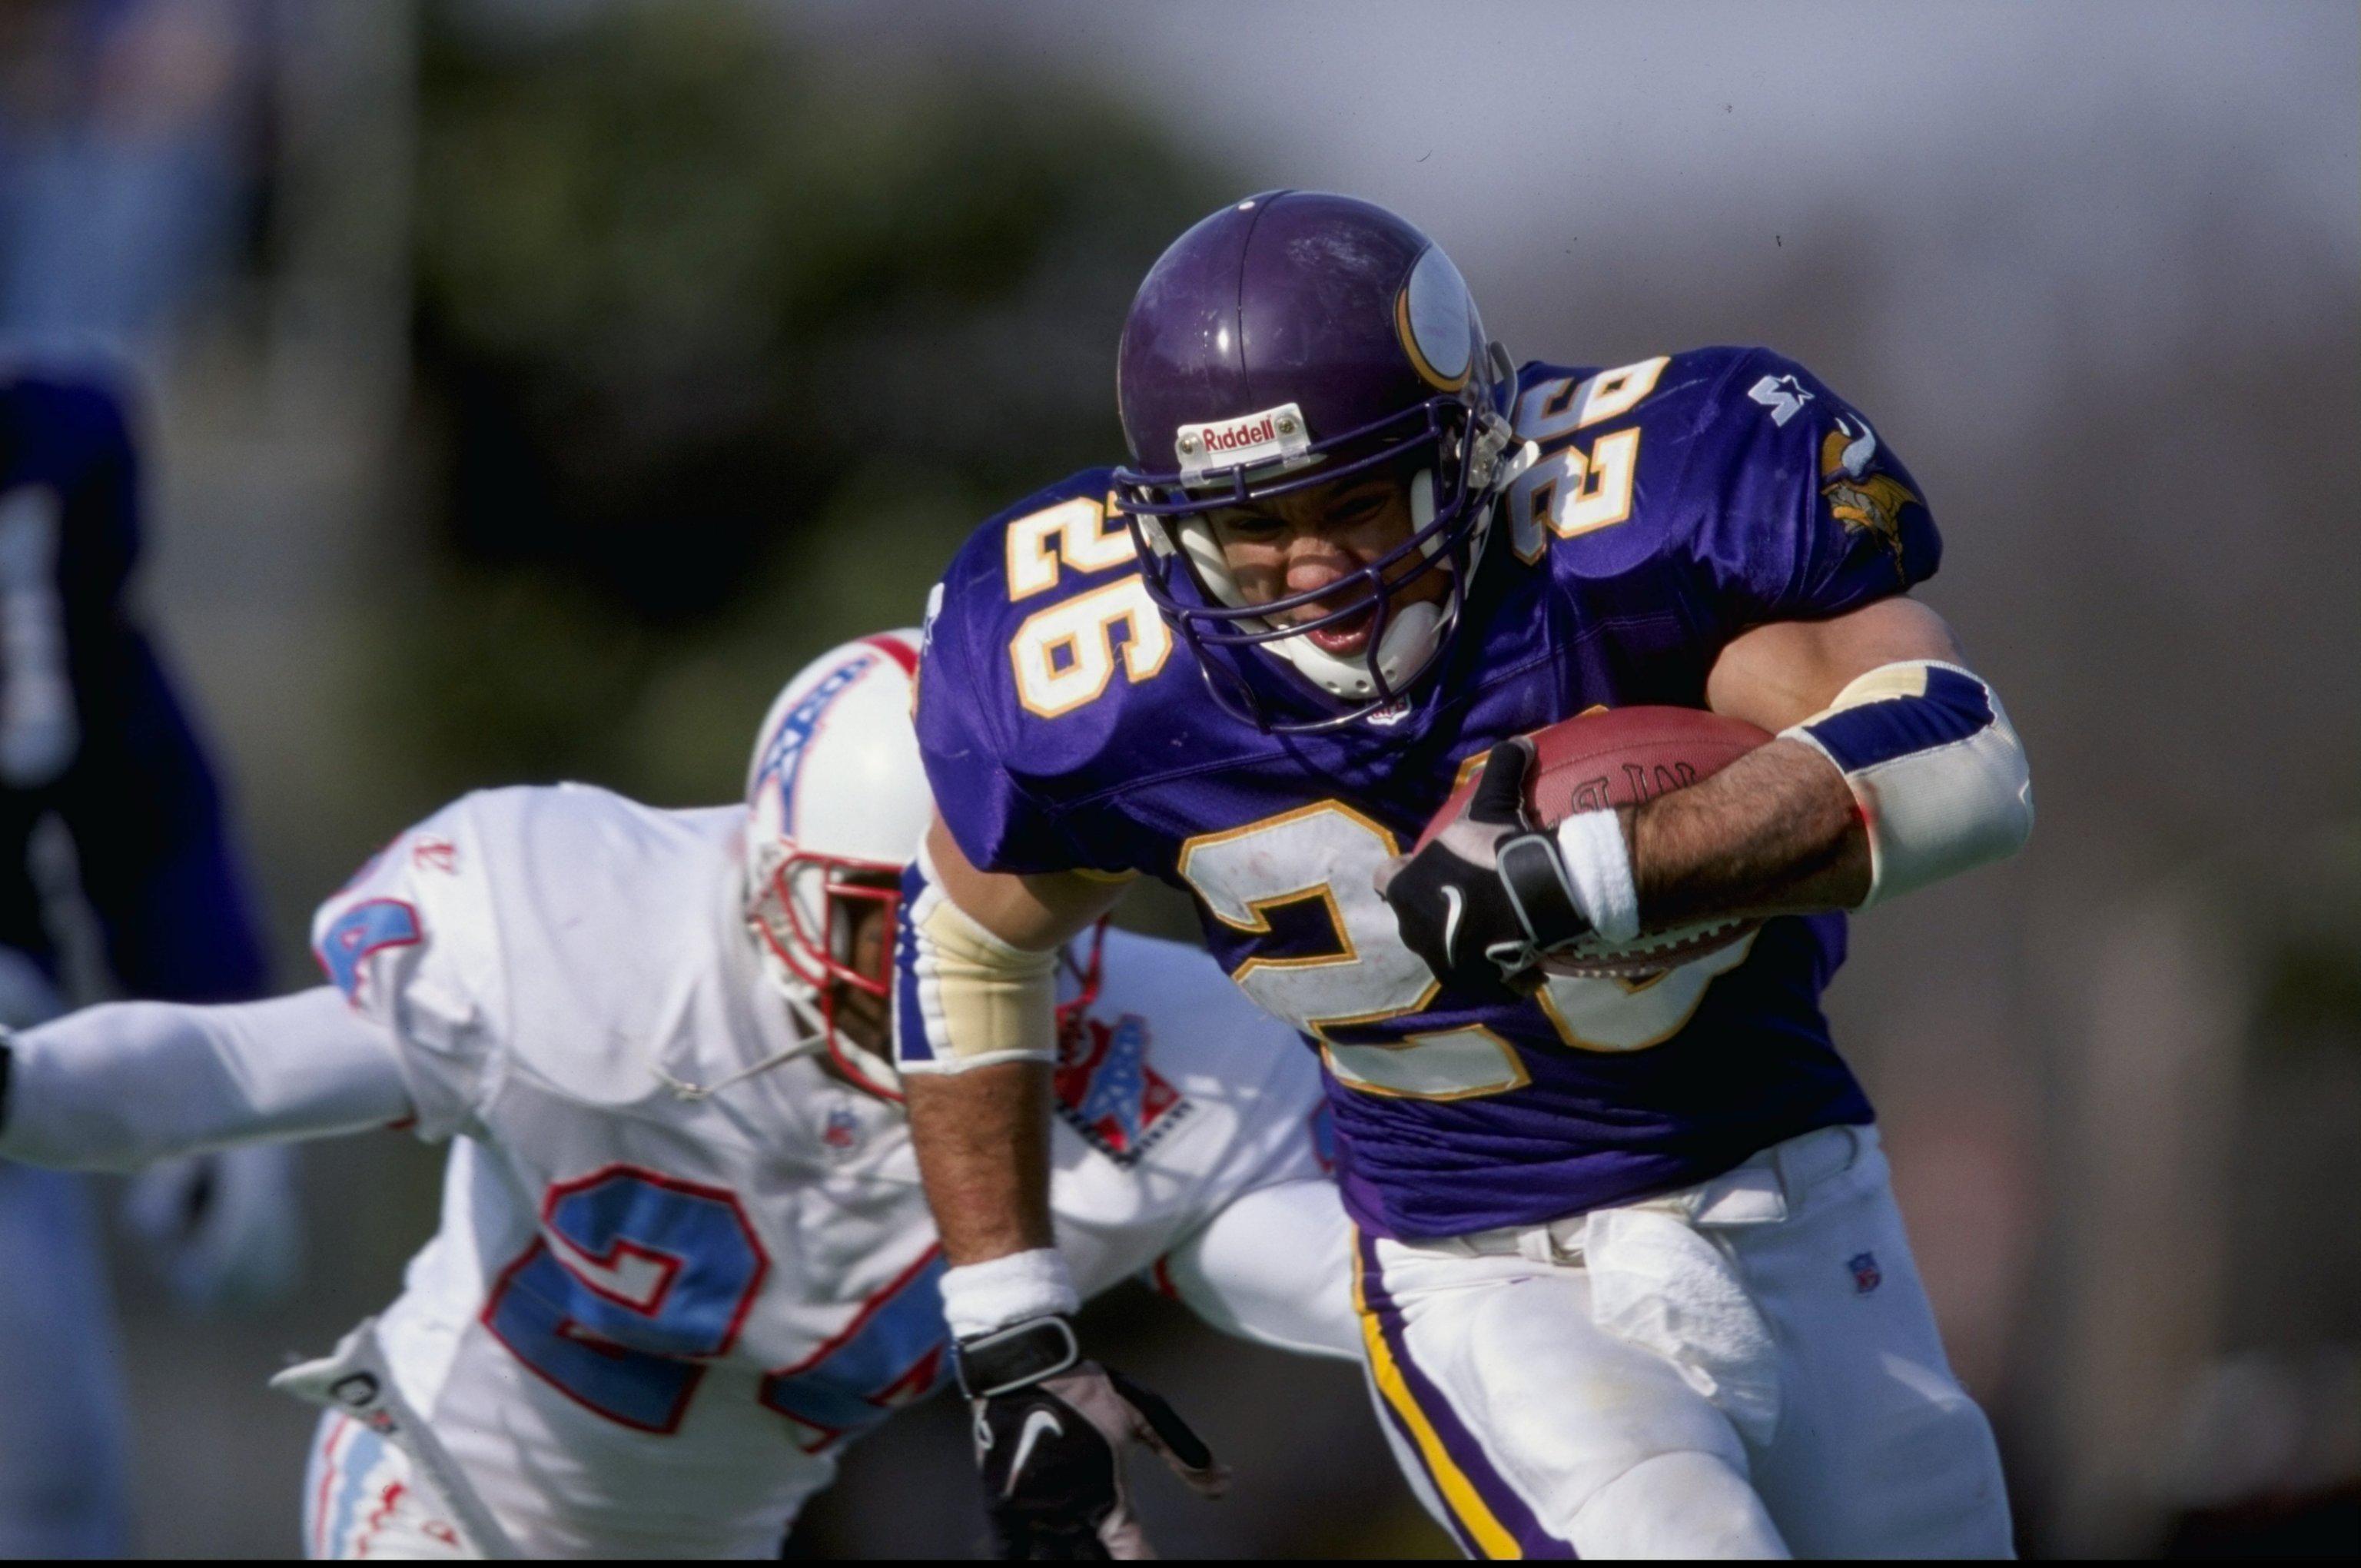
(842, 1131)
(1107, 1092)
(1865, 1275)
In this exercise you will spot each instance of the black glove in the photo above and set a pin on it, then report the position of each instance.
(1489, 896)
(1049, 1433)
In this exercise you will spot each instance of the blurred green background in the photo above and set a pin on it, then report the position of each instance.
(718, 355)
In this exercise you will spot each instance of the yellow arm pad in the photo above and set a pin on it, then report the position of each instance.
(963, 997)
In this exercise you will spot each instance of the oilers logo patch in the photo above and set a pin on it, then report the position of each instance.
(1107, 1092)
(1866, 1275)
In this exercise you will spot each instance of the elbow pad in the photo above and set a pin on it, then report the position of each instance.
(1939, 773)
(963, 998)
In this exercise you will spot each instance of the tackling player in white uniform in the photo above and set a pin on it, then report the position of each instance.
(684, 1254)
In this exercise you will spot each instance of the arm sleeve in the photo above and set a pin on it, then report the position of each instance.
(114, 1087)
(1807, 511)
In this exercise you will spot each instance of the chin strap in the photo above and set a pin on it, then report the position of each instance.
(682, 1088)
(687, 1092)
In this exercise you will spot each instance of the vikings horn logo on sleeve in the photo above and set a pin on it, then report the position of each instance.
(1864, 502)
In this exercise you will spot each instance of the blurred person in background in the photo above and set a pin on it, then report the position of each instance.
(126, 129)
(93, 742)
(128, 188)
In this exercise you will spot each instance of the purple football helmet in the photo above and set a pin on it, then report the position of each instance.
(1294, 339)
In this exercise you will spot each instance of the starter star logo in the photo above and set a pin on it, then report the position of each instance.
(1107, 1092)
(1782, 395)
(1864, 502)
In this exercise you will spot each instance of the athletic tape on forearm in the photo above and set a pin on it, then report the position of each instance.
(1939, 773)
(964, 998)
(981, 1297)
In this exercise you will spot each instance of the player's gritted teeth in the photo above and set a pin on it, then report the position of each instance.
(1349, 635)
(1321, 543)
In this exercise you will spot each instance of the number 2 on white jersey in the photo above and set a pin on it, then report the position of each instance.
(639, 1283)
(1330, 852)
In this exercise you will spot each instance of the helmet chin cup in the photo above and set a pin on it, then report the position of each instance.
(1413, 636)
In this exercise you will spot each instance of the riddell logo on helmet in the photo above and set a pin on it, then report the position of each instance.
(1273, 433)
(1229, 438)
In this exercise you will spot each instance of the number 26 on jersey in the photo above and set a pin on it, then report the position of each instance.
(1064, 655)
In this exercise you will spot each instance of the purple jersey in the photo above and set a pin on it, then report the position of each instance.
(1676, 502)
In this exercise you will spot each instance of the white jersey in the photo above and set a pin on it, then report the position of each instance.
(671, 1281)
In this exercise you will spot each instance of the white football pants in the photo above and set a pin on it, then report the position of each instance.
(1748, 1368)
(359, 1501)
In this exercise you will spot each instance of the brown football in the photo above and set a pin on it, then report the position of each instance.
(1623, 757)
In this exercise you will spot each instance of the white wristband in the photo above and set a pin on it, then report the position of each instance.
(981, 1297)
(1599, 867)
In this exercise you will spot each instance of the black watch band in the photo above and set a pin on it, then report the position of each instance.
(1534, 875)
(1014, 1357)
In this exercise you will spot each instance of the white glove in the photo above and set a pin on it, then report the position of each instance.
(222, 1229)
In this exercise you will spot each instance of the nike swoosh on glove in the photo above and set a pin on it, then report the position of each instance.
(1052, 1457)
(1488, 896)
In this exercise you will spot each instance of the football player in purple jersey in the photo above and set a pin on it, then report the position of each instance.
(1631, 1276)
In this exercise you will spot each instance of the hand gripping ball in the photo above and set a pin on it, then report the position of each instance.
(1625, 756)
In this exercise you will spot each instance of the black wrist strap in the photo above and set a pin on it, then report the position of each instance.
(7, 1061)
(1014, 1357)
(1534, 874)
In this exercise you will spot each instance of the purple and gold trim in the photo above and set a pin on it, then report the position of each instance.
(1487, 1515)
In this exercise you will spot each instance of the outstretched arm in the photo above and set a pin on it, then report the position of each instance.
(118, 1086)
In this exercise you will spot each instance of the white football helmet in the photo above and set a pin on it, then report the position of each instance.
(837, 804)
